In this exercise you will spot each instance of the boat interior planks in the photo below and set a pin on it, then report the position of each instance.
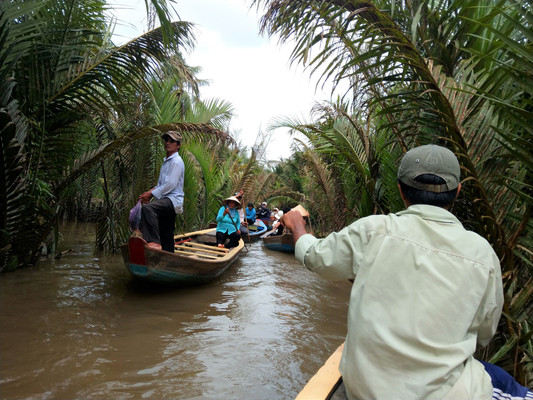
(196, 259)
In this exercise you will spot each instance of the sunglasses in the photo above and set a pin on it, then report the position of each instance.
(169, 139)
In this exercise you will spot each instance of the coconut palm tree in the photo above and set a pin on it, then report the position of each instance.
(171, 99)
(346, 166)
(451, 72)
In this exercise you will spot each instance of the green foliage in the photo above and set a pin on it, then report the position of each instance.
(451, 72)
(12, 188)
(79, 109)
(203, 188)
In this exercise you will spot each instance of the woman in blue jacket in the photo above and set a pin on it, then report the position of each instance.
(229, 223)
(250, 214)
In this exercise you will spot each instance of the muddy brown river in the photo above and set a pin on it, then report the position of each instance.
(78, 327)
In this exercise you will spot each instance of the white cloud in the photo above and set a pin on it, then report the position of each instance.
(250, 71)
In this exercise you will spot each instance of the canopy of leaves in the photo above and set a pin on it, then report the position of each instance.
(455, 73)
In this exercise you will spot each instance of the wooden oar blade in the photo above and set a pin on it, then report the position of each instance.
(301, 210)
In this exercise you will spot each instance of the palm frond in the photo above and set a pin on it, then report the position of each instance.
(451, 72)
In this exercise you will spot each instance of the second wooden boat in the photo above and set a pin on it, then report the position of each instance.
(283, 243)
(255, 231)
(196, 259)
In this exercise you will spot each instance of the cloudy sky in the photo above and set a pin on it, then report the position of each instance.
(248, 70)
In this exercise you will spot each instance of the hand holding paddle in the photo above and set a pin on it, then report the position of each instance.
(294, 221)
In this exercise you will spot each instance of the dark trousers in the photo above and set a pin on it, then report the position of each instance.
(233, 238)
(279, 231)
(158, 220)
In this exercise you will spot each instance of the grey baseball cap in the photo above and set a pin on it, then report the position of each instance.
(430, 159)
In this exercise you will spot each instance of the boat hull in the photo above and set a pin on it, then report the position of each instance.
(283, 243)
(326, 384)
(254, 235)
(196, 260)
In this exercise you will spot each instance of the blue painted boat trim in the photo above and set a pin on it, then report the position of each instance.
(167, 277)
(263, 229)
(285, 248)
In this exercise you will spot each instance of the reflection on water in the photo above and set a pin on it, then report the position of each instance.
(79, 328)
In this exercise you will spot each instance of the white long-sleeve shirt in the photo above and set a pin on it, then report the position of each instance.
(426, 291)
(170, 182)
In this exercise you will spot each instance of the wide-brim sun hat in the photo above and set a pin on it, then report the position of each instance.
(278, 215)
(233, 198)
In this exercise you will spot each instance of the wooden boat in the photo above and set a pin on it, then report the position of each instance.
(283, 242)
(255, 231)
(267, 222)
(196, 259)
(255, 234)
(326, 384)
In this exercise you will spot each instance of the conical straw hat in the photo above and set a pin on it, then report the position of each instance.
(233, 198)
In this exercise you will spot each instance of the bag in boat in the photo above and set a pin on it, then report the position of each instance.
(135, 216)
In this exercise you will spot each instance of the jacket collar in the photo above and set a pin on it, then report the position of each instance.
(431, 213)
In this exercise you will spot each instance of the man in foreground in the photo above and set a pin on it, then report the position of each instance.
(426, 291)
(158, 218)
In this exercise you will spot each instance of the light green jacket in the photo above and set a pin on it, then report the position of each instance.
(426, 291)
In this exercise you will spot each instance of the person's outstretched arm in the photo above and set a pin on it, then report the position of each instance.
(294, 221)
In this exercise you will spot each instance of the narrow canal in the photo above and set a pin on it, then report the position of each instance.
(78, 327)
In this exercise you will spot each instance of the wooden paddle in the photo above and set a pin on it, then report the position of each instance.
(301, 210)
(247, 225)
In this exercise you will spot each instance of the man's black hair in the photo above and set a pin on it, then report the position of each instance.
(417, 196)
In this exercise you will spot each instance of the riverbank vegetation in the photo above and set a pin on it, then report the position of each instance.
(80, 118)
(457, 73)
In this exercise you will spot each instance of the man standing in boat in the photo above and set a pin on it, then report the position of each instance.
(425, 293)
(158, 217)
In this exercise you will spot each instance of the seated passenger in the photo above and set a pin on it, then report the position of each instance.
(263, 213)
(228, 223)
(250, 214)
(277, 226)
